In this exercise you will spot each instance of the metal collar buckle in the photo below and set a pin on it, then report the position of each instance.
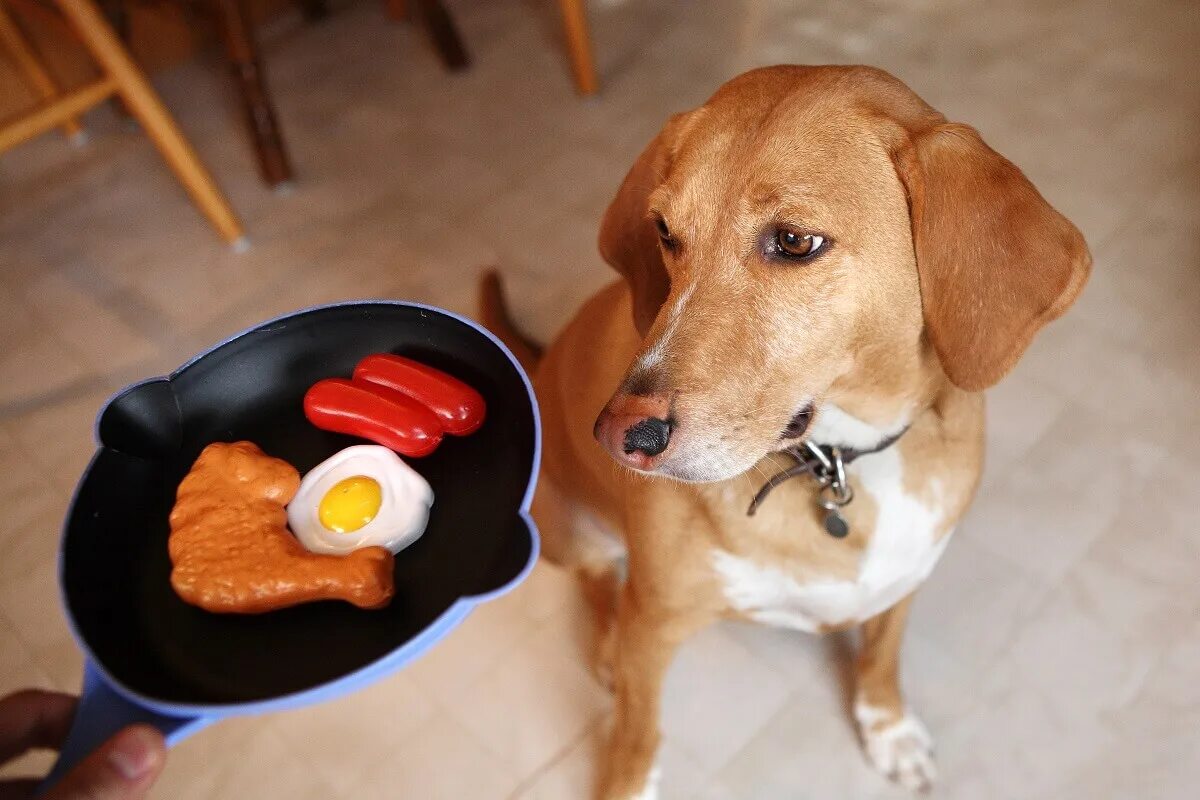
(827, 466)
(835, 492)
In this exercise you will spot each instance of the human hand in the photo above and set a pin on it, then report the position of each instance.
(123, 768)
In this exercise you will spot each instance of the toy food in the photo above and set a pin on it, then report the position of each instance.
(458, 407)
(380, 415)
(362, 496)
(232, 552)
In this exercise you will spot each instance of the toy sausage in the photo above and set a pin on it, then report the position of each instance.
(391, 419)
(458, 407)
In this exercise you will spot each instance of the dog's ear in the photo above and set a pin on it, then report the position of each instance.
(629, 240)
(995, 261)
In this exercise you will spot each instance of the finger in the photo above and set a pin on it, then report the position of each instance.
(19, 789)
(123, 768)
(34, 718)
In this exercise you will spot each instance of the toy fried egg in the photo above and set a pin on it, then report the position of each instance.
(359, 497)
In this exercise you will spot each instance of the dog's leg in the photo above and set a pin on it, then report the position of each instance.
(895, 740)
(602, 589)
(646, 639)
(596, 560)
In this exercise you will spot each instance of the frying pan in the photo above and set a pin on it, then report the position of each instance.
(152, 658)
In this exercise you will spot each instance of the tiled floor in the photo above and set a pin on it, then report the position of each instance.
(1055, 652)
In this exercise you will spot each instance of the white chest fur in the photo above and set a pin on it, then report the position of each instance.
(900, 554)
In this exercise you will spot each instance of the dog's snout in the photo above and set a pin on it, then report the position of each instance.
(650, 436)
(636, 429)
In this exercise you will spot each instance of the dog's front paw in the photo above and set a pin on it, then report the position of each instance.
(899, 746)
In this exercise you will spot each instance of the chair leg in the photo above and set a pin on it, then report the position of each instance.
(397, 9)
(438, 22)
(579, 45)
(256, 101)
(117, 14)
(314, 10)
(149, 110)
(32, 70)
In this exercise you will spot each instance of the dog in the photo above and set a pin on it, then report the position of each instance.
(777, 415)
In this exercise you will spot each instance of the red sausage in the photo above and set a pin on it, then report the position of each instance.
(458, 407)
(387, 418)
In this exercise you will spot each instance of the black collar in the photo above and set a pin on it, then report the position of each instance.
(823, 462)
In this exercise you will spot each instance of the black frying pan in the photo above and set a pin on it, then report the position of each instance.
(152, 657)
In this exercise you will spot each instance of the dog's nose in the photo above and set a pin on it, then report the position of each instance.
(650, 436)
(635, 430)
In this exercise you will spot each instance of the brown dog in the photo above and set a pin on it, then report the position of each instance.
(813, 256)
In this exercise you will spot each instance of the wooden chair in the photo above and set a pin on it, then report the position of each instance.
(575, 27)
(259, 109)
(579, 45)
(121, 77)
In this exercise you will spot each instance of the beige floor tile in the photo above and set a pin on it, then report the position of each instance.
(344, 739)
(806, 749)
(15, 320)
(572, 625)
(547, 591)
(24, 478)
(1019, 412)
(532, 705)
(59, 436)
(38, 366)
(1134, 387)
(573, 774)
(62, 661)
(716, 697)
(31, 603)
(1018, 724)
(488, 635)
(1158, 756)
(18, 670)
(100, 337)
(1050, 507)
(976, 600)
(199, 294)
(444, 762)
(811, 665)
(241, 758)
(30, 534)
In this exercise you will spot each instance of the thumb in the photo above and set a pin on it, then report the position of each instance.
(123, 768)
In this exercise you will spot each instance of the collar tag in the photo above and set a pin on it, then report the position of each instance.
(827, 466)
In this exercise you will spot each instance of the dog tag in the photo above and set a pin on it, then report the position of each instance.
(836, 525)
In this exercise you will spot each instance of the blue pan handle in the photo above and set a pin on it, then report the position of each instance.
(101, 713)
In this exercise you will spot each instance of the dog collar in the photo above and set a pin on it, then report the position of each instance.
(826, 464)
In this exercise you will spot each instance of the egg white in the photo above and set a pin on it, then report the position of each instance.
(403, 510)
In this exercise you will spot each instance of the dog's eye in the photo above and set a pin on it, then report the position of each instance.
(798, 245)
(664, 232)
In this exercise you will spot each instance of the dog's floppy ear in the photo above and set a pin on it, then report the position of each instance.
(995, 261)
(628, 237)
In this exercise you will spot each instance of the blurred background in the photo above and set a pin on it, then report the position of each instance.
(363, 148)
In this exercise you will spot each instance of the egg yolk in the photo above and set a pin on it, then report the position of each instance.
(350, 504)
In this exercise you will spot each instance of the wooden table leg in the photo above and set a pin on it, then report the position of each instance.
(160, 126)
(579, 45)
(397, 9)
(438, 22)
(256, 102)
(30, 67)
(118, 16)
(314, 10)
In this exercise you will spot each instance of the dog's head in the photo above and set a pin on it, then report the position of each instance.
(818, 238)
